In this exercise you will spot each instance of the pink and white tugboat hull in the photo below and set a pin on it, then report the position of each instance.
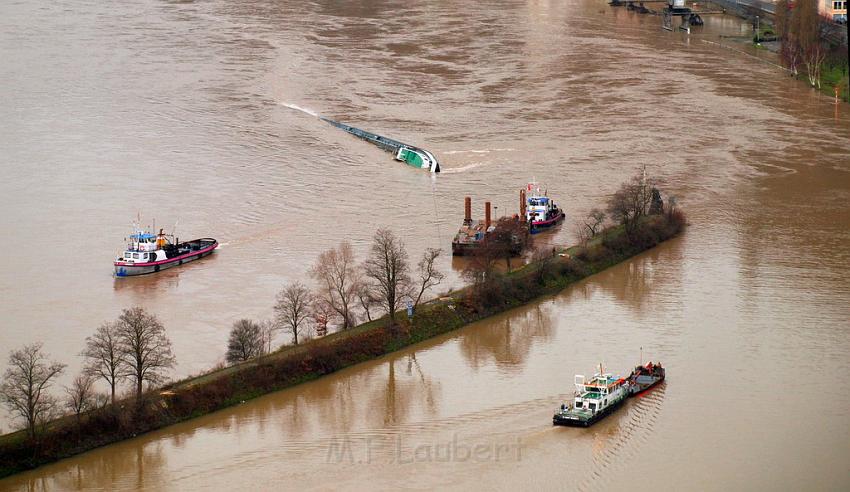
(188, 251)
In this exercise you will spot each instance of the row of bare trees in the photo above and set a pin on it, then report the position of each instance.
(132, 348)
(803, 31)
(383, 281)
(346, 291)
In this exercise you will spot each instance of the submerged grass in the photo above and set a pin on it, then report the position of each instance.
(293, 365)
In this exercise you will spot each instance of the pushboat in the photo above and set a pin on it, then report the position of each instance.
(593, 401)
(540, 211)
(644, 377)
(151, 253)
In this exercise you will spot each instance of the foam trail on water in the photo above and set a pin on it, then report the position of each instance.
(487, 151)
(299, 108)
(461, 169)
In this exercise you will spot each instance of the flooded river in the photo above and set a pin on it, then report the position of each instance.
(189, 111)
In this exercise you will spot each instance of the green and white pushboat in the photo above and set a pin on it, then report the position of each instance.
(594, 399)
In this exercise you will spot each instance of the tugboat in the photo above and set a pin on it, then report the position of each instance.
(150, 253)
(594, 400)
(645, 377)
(540, 211)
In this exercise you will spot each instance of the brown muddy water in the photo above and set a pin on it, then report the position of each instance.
(188, 110)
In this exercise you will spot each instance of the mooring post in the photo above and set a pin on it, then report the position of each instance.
(522, 205)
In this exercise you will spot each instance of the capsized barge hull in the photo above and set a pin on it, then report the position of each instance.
(409, 154)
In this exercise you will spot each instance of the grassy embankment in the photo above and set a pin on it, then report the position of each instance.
(292, 365)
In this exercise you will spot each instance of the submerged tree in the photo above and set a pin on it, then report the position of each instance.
(246, 341)
(508, 238)
(25, 385)
(293, 309)
(336, 273)
(104, 359)
(144, 347)
(388, 270)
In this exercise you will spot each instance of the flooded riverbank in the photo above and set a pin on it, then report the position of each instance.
(574, 94)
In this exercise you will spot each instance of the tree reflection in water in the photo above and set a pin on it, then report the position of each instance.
(506, 339)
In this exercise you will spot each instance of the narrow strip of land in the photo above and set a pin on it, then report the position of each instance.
(293, 365)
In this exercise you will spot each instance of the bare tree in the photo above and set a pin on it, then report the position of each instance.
(509, 238)
(544, 262)
(79, 397)
(803, 34)
(104, 358)
(245, 342)
(336, 272)
(367, 299)
(25, 385)
(481, 264)
(388, 270)
(144, 347)
(428, 276)
(293, 309)
(322, 313)
(631, 202)
(268, 328)
(593, 222)
(789, 50)
(813, 58)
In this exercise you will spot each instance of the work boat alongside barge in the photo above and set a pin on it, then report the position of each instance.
(541, 212)
(149, 253)
(594, 400)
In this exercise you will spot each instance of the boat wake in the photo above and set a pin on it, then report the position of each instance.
(461, 169)
(299, 108)
(623, 443)
(486, 151)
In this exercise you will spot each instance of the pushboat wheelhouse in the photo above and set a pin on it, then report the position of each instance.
(540, 211)
(150, 253)
(594, 399)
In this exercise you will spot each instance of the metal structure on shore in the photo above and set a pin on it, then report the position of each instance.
(674, 8)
